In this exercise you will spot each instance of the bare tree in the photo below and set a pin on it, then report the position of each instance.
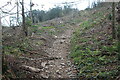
(89, 4)
(17, 12)
(1, 46)
(23, 20)
(118, 20)
(113, 21)
(31, 4)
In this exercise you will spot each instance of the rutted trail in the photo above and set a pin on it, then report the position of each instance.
(62, 66)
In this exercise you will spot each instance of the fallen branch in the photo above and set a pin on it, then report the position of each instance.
(52, 58)
(45, 58)
(31, 69)
(33, 52)
(29, 51)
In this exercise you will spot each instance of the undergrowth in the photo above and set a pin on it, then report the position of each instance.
(93, 52)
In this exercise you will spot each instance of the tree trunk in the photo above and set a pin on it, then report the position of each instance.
(25, 32)
(31, 17)
(119, 41)
(113, 21)
(118, 20)
(1, 48)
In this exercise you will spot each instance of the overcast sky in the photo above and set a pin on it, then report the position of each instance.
(42, 5)
(48, 3)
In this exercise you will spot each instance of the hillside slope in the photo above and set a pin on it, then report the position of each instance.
(75, 46)
(92, 48)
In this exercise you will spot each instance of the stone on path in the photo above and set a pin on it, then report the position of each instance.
(43, 64)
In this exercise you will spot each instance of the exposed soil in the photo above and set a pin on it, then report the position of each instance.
(47, 61)
(61, 67)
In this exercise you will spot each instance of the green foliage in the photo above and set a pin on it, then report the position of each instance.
(28, 22)
(55, 12)
(48, 27)
(107, 74)
(6, 72)
(35, 26)
(90, 23)
(11, 50)
(118, 47)
(110, 49)
(40, 15)
(19, 48)
(91, 61)
(86, 24)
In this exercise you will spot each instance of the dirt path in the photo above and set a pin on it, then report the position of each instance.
(55, 64)
(62, 66)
